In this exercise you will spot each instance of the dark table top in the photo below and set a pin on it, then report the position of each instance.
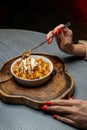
(20, 117)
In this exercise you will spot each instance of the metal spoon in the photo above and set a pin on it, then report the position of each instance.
(28, 52)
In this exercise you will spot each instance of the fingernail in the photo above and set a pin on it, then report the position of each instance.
(48, 103)
(59, 30)
(53, 32)
(48, 41)
(44, 107)
(54, 116)
(70, 98)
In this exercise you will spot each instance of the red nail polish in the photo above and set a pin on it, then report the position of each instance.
(70, 98)
(59, 30)
(44, 107)
(48, 103)
(48, 41)
(54, 116)
(53, 32)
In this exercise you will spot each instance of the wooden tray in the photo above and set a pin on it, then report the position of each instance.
(61, 85)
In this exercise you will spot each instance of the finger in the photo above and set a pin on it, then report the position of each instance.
(70, 116)
(63, 102)
(60, 109)
(56, 28)
(65, 120)
(67, 31)
(48, 36)
(60, 37)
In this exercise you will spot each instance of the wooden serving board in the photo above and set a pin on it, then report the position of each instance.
(60, 85)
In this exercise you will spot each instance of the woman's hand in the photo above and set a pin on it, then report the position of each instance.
(72, 112)
(63, 38)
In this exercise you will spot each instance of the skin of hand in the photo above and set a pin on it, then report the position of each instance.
(72, 112)
(64, 41)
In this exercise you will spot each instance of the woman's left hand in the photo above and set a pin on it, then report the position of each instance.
(72, 112)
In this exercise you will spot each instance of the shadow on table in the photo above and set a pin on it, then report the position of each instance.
(72, 59)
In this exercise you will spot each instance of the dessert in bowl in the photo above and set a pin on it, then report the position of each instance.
(32, 71)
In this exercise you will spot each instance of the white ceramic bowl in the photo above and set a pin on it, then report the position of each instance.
(33, 82)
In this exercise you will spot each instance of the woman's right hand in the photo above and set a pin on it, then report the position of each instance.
(63, 38)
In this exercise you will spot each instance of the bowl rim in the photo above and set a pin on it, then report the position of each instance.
(31, 80)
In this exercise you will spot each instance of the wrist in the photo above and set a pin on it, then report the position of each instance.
(78, 49)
